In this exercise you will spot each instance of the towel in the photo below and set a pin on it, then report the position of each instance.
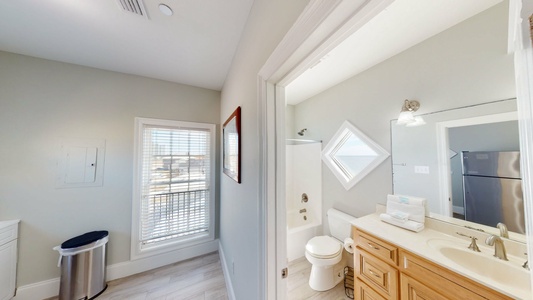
(399, 215)
(417, 201)
(412, 207)
(410, 225)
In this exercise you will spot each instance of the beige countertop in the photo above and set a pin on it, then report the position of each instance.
(418, 243)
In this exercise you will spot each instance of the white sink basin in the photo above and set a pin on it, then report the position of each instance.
(484, 264)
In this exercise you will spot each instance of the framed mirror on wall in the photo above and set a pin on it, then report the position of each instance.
(231, 144)
(531, 28)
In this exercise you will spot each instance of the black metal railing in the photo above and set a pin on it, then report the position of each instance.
(172, 215)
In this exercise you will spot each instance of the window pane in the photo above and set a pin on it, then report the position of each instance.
(175, 177)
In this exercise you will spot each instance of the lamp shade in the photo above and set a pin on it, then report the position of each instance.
(405, 117)
(418, 120)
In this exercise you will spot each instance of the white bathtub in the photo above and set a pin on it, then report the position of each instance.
(301, 227)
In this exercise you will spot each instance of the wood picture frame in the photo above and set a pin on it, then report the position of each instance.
(531, 28)
(231, 146)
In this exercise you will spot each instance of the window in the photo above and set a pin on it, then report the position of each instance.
(174, 185)
(351, 155)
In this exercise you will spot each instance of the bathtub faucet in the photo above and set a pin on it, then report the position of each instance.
(304, 198)
(303, 210)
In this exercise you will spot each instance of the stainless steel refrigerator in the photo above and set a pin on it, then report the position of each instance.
(492, 188)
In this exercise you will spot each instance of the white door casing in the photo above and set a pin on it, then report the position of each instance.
(322, 26)
(521, 41)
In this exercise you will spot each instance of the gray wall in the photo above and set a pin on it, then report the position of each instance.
(42, 102)
(268, 22)
(466, 64)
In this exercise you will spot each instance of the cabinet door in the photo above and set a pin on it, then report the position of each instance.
(364, 292)
(8, 258)
(414, 290)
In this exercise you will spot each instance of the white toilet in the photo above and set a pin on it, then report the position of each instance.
(325, 252)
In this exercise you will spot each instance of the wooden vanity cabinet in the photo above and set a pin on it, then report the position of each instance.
(385, 271)
(375, 267)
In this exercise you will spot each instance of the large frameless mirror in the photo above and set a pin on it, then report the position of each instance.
(430, 161)
(351, 155)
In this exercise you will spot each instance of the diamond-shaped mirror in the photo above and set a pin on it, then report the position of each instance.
(351, 155)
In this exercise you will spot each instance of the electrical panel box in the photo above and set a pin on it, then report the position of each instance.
(80, 163)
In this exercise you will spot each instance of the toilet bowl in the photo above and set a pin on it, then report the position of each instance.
(325, 252)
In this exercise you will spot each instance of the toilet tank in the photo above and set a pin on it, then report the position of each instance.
(340, 226)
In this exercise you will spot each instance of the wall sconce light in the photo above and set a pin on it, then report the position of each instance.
(406, 116)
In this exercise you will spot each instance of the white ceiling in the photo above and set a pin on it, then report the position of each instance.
(195, 46)
(402, 25)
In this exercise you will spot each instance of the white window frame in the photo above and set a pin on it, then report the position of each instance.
(344, 175)
(137, 251)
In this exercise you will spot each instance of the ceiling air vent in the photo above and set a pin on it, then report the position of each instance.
(133, 6)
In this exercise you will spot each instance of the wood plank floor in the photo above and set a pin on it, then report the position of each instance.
(199, 278)
(298, 284)
(202, 278)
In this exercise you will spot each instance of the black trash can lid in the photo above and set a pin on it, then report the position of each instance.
(84, 239)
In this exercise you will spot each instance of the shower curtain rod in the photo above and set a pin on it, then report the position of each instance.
(303, 141)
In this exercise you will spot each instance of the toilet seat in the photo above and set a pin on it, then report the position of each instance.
(323, 247)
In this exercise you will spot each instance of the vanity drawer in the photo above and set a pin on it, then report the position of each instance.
(8, 234)
(377, 247)
(377, 274)
(364, 292)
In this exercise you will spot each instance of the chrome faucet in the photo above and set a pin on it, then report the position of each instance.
(303, 210)
(503, 230)
(499, 248)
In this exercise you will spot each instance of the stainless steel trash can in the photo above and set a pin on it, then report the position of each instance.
(82, 261)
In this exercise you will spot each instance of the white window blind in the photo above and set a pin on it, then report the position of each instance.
(175, 184)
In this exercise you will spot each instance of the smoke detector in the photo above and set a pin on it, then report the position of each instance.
(165, 9)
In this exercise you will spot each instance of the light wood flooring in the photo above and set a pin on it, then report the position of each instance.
(298, 284)
(199, 278)
(202, 278)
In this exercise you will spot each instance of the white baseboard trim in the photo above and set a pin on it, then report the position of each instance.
(225, 270)
(39, 290)
(50, 288)
(131, 267)
(459, 210)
